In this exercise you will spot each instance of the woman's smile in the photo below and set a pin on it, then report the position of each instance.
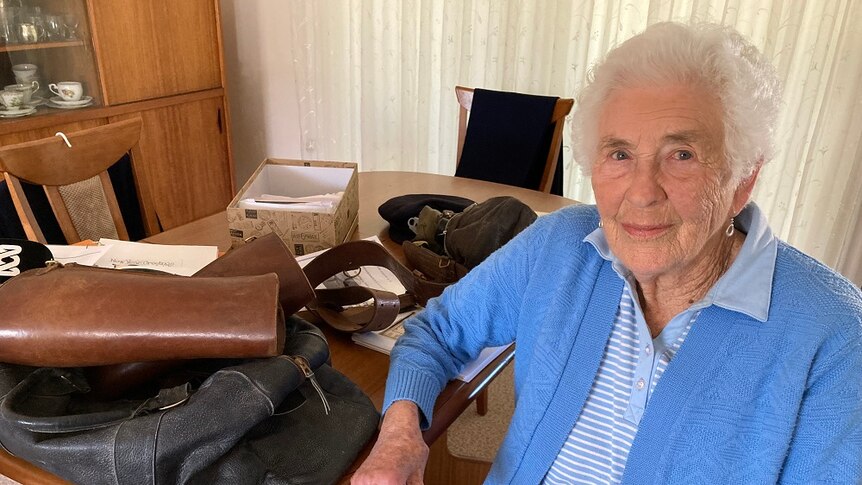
(646, 231)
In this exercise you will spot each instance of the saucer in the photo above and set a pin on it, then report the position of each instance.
(52, 104)
(61, 102)
(36, 101)
(16, 113)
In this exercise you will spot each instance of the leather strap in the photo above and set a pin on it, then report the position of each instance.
(329, 304)
(431, 265)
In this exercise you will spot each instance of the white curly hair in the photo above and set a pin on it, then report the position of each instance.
(714, 57)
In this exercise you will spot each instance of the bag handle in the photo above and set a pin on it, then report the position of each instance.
(52, 389)
(329, 304)
(58, 386)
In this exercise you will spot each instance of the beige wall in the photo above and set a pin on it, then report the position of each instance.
(262, 102)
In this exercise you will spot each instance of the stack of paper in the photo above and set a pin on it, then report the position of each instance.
(325, 203)
(384, 340)
(111, 253)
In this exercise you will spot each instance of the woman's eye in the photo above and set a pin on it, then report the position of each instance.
(619, 155)
(683, 155)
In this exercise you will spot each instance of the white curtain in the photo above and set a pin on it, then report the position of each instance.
(375, 83)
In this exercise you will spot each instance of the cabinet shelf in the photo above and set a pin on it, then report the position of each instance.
(40, 45)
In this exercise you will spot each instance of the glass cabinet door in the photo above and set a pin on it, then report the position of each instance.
(48, 66)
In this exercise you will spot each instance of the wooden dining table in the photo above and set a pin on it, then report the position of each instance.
(366, 367)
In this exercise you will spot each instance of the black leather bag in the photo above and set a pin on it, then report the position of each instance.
(270, 420)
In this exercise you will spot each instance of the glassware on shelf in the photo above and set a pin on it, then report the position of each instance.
(10, 10)
(32, 15)
(54, 28)
(28, 32)
(70, 22)
(8, 16)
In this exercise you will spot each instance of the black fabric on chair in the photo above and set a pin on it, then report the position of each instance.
(508, 138)
(10, 224)
(123, 181)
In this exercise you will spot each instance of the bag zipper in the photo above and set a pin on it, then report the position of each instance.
(302, 363)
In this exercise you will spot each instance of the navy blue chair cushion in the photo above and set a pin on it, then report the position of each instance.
(508, 138)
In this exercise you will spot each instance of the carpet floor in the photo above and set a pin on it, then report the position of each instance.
(475, 437)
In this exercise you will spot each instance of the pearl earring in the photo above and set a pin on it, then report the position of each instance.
(730, 229)
(601, 224)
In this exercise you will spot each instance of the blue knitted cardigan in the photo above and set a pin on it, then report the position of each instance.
(743, 401)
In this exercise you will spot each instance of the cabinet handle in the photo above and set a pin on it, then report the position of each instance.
(218, 120)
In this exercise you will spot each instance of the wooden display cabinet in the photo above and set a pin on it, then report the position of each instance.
(160, 60)
(64, 54)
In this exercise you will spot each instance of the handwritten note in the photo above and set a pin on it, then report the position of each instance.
(84, 255)
(111, 253)
(180, 260)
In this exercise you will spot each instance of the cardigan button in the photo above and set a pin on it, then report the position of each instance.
(640, 384)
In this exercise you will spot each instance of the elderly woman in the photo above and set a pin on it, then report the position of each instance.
(664, 335)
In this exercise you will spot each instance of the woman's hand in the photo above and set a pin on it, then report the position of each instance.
(400, 454)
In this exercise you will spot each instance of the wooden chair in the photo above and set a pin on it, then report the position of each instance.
(558, 119)
(76, 174)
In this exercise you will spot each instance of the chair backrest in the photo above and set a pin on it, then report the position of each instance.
(558, 118)
(76, 180)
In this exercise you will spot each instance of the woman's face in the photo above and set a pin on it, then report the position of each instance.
(662, 185)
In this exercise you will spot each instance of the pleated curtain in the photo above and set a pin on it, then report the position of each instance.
(375, 80)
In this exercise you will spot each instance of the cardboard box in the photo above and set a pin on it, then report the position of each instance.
(303, 232)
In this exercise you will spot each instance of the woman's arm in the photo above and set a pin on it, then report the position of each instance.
(827, 442)
(400, 454)
(481, 310)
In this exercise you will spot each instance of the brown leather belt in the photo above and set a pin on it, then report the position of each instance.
(332, 305)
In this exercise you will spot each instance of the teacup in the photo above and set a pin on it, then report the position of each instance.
(12, 100)
(24, 72)
(27, 89)
(67, 90)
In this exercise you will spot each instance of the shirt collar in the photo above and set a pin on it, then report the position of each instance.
(746, 287)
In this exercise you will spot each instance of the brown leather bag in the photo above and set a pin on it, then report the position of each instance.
(70, 316)
(262, 255)
(266, 254)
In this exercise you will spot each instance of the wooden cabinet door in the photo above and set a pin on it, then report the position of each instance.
(153, 48)
(183, 154)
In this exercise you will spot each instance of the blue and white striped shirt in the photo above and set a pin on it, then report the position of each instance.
(598, 446)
